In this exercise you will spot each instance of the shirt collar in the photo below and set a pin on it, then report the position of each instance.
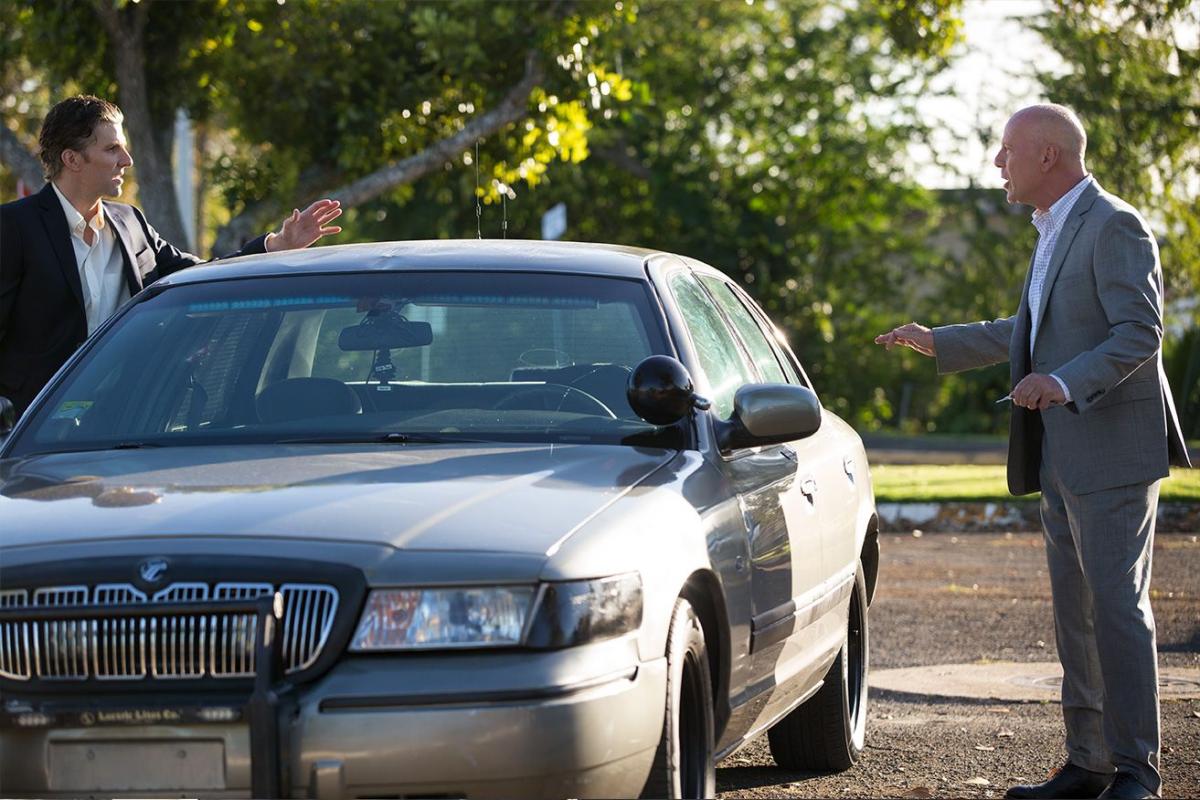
(75, 221)
(1053, 216)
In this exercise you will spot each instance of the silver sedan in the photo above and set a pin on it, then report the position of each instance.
(459, 519)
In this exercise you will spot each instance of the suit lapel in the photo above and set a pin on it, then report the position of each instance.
(132, 278)
(55, 222)
(1070, 228)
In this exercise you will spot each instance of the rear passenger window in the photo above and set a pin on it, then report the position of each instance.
(752, 336)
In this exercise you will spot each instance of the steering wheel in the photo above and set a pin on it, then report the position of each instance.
(551, 397)
(607, 381)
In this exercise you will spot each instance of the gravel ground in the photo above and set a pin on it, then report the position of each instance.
(946, 599)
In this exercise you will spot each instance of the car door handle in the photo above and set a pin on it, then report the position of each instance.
(809, 487)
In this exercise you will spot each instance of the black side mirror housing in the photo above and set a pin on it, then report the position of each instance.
(769, 413)
(660, 391)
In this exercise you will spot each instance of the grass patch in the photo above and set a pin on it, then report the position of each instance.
(928, 483)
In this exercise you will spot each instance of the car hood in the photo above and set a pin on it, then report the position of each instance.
(504, 498)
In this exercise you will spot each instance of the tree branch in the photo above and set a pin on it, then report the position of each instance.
(622, 157)
(156, 188)
(17, 157)
(513, 107)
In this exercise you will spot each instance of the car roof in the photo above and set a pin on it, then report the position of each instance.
(441, 254)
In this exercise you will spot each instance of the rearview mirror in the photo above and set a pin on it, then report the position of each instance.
(769, 413)
(660, 391)
(389, 331)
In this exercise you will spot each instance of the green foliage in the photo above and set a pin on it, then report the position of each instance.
(763, 139)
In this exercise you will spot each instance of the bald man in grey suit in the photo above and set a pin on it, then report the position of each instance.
(1094, 428)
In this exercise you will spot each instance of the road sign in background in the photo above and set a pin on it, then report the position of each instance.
(554, 222)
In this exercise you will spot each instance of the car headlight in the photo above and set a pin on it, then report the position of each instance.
(575, 613)
(567, 614)
(424, 619)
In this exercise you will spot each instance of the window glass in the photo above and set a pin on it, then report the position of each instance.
(752, 336)
(721, 359)
(492, 355)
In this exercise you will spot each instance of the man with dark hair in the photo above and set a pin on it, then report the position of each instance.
(1094, 429)
(69, 259)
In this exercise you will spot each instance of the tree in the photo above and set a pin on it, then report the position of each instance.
(344, 98)
(768, 140)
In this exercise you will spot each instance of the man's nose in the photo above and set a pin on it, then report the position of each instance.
(126, 160)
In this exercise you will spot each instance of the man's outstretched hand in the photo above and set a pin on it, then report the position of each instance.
(913, 335)
(303, 228)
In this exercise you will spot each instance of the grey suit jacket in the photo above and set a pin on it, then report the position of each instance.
(1100, 330)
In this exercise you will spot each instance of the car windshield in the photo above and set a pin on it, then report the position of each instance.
(391, 357)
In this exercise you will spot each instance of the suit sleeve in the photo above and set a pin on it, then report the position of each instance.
(1129, 285)
(972, 345)
(12, 267)
(168, 258)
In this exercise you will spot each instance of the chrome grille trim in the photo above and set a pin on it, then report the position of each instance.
(308, 614)
(118, 645)
(14, 639)
(58, 651)
(161, 648)
(232, 653)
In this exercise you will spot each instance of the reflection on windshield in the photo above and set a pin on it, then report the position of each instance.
(387, 357)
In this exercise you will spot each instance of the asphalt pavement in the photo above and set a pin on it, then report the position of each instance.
(978, 599)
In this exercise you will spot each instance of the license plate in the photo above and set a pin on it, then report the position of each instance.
(103, 766)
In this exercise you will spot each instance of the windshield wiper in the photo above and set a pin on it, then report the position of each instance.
(392, 437)
(133, 445)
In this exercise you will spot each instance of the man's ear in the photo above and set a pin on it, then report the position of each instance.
(1050, 156)
(72, 160)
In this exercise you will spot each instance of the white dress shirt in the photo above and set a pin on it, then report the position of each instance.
(100, 266)
(1049, 224)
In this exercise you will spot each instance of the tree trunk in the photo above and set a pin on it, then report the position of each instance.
(514, 107)
(156, 189)
(16, 156)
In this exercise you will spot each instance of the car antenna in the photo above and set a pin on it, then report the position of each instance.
(478, 205)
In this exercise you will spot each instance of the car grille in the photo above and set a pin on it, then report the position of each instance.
(167, 647)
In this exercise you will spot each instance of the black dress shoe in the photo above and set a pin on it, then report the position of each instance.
(1069, 782)
(1126, 787)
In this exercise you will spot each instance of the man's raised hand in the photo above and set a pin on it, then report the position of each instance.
(303, 228)
(913, 335)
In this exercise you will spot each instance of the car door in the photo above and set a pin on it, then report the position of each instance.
(838, 464)
(781, 521)
(813, 513)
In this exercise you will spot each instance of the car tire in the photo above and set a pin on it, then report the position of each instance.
(827, 733)
(684, 764)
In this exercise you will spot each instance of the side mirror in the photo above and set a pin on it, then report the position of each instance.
(769, 413)
(660, 391)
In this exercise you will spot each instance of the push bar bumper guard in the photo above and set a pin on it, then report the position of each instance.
(262, 709)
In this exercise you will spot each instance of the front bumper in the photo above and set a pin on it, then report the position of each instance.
(559, 724)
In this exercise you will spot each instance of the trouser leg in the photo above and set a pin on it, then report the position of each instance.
(1083, 685)
(1115, 536)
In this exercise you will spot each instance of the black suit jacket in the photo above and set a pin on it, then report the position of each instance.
(42, 320)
